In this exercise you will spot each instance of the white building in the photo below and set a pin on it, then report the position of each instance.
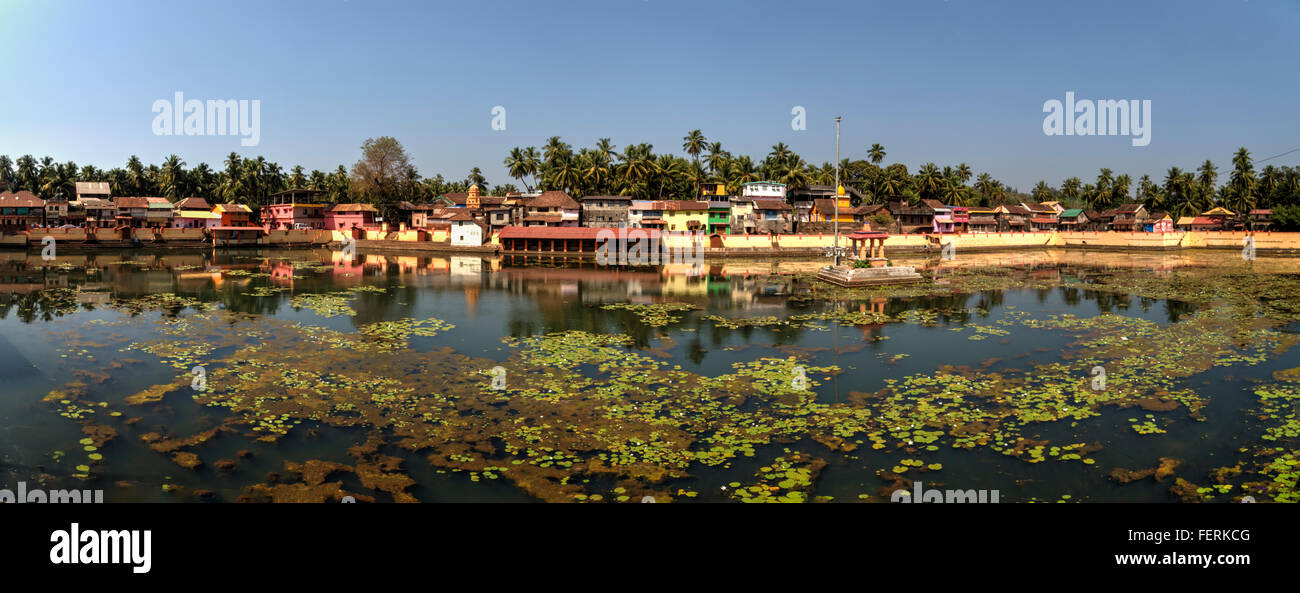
(763, 189)
(467, 232)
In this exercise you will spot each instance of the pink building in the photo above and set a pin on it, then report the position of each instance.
(348, 216)
(295, 208)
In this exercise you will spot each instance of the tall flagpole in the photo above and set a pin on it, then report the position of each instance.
(837, 191)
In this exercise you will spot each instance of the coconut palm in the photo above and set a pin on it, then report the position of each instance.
(929, 180)
(1070, 189)
(693, 143)
(876, 153)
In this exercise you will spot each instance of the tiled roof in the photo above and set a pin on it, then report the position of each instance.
(667, 205)
(564, 232)
(131, 202)
(193, 204)
(20, 199)
(1128, 208)
(554, 199)
(827, 206)
(222, 208)
(353, 208)
(770, 204)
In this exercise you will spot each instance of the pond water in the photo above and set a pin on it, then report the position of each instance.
(281, 375)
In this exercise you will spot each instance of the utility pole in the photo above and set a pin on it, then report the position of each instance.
(837, 190)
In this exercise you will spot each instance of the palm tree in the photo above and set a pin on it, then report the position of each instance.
(1268, 185)
(891, 186)
(963, 172)
(718, 158)
(1070, 189)
(795, 175)
(876, 153)
(553, 149)
(1042, 192)
(202, 180)
(1241, 186)
(955, 193)
(929, 180)
(297, 177)
(6, 170)
(1207, 174)
(1119, 190)
(780, 152)
(564, 174)
(606, 148)
(693, 144)
(518, 165)
(633, 173)
(595, 169)
(476, 177)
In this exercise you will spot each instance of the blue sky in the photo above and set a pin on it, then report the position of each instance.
(949, 82)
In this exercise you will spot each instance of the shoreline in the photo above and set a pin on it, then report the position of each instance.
(800, 246)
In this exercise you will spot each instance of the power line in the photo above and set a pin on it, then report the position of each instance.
(1278, 155)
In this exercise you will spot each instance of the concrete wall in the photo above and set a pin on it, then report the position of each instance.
(182, 234)
(38, 235)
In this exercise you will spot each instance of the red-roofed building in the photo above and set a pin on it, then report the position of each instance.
(21, 210)
(552, 208)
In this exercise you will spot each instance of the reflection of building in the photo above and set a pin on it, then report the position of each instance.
(466, 266)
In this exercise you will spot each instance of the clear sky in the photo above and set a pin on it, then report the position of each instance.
(931, 80)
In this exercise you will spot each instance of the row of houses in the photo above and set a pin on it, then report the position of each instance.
(93, 207)
(763, 207)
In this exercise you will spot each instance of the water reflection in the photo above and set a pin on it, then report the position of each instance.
(562, 287)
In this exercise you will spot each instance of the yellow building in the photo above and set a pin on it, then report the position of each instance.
(823, 209)
(713, 188)
(684, 215)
